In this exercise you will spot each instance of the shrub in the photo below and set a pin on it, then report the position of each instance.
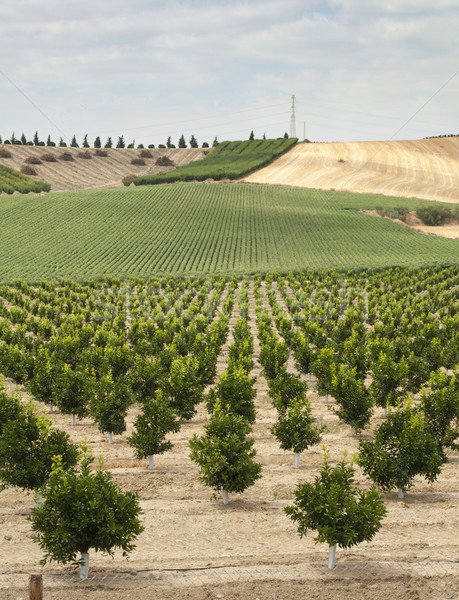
(138, 162)
(102, 153)
(49, 158)
(4, 153)
(434, 215)
(27, 170)
(164, 161)
(33, 160)
(86, 155)
(146, 154)
(67, 157)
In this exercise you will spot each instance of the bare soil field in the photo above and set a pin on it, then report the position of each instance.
(194, 547)
(426, 169)
(97, 172)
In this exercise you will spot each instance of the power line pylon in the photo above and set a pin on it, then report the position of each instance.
(292, 119)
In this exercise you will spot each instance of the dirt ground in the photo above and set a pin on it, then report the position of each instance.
(449, 230)
(194, 547)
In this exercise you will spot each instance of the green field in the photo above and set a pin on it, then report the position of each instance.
(228, 160)
(11, 181)
(200, 229)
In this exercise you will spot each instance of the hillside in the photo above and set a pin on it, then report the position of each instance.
(98, 172)
(426, 169)
(195, 229)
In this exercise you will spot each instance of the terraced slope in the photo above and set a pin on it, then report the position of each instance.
(97, 172)
(427, 169)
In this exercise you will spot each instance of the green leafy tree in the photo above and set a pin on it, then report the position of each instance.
(23, 140)
(355, 404)
(36, 139)
(85, 141)
(193, 142)
(322, 369)
(156, 420)
(182, 386)
(74, 143)
(72, 391)
(224, 454)
(440, 405)
(286, 387)
(121, 143)
(97, 142)
(82, 510)
(181, 142)
(273, 356)
(108, 143)
(295, 428)
(49, 142)
(251, 136)
(342, 514)
(388, 379)
(109, 405)
(62, 144)
(236, 392)
(46, 368)
(169, 143)
(402, 448)
(27, 446)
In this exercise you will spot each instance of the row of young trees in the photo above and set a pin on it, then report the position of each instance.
(175, 349)
(97, 143)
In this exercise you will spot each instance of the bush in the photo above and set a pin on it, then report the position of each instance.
(66, 156)
(164, 161)
(33, 160)
(146, 154)
(27, 170)
(102, 153)
(86, 155)
(49, 158)
(4, 153)
(138, 161)
(434, 215)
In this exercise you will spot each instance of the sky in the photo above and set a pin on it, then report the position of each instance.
(149, 69)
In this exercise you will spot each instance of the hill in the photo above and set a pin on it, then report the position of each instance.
(426, 169)
(194, 229)
(96, 172)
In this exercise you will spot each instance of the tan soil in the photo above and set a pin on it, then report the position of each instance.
(426, 169)
(252, 537)
(449, 230)
(97, 172)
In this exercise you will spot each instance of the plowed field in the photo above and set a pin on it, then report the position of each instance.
(426, 169)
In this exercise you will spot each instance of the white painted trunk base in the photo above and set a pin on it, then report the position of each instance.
(84, 568)
(151, 462)
(297, 460)
(110, 438)
(331, 556)
(225, 496)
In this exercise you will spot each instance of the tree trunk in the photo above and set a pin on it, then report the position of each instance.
(297, 460)
(84, 568)
(36, 586)
(110, 437)
(331, 556)
(73, 420)
(39, 500)
(51, 407)
(326, 399)
(225, 497)
(151, 462)
(400, 493)
(351, 433)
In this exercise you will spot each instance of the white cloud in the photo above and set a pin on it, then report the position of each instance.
(362, 68)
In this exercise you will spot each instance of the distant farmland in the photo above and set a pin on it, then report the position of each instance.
(199, 229)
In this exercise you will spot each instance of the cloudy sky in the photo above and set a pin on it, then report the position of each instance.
(149, 69)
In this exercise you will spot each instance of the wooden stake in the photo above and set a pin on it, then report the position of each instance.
(35, 586)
